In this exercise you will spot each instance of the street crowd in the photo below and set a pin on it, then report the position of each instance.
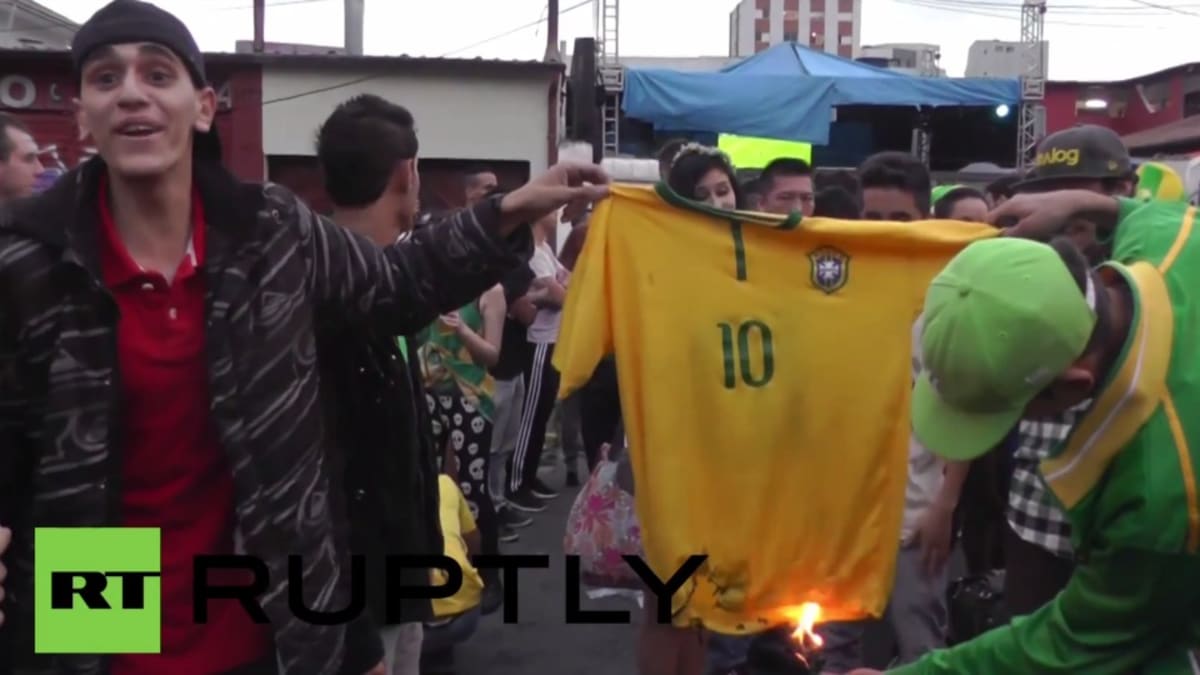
(184, 350)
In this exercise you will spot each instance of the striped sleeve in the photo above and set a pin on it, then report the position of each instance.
(405, 286)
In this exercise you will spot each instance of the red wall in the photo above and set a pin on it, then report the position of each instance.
(1061, 99)
(47, 109)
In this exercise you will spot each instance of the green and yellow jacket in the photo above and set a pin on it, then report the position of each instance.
(1127, 478)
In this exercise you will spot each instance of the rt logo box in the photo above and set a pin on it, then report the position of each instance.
(97, 591)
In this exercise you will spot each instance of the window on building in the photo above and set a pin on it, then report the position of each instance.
(1191, 104)
(816, 5)
(790, 36)
(845, 6)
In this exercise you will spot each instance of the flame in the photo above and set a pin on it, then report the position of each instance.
(805, 634)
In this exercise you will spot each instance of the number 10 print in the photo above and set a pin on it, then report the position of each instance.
(737, 354)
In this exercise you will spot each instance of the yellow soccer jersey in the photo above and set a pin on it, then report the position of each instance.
(765, 372)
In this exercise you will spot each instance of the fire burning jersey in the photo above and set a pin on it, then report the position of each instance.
(764, 370)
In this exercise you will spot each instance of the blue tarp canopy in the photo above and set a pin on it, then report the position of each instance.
(789, 92)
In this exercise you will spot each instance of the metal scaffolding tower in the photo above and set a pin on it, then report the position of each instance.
(1032, 124)
(611, 75)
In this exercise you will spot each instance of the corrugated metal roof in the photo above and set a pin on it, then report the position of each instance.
(44, 12)
(295, 49)
(336, 60)
(1186, 130)
(401, 62)
(385, 58)
(1183, 67)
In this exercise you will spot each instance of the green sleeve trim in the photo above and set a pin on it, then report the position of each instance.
(789, 222)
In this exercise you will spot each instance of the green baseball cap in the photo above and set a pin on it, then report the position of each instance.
(1001, 321)
(941, 191)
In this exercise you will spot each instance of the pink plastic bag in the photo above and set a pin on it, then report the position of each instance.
(602, 527)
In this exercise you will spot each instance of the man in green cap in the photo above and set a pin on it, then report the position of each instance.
(1017, 328)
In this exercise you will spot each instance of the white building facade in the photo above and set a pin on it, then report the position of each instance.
(919, 59)
(504, 114)
(477, 109)
(828, 25)
(1000, 58)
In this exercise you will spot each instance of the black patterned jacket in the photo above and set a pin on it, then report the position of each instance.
(272, 267)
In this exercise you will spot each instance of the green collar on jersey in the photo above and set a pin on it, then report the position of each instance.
(789, 222)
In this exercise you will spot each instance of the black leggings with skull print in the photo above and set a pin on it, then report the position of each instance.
(458, 422)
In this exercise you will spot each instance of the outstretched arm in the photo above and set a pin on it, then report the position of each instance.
(405, 286)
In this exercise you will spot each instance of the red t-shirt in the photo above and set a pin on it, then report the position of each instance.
(175, 474)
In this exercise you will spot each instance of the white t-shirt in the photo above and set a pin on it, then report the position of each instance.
(545, 323)
(926, 471)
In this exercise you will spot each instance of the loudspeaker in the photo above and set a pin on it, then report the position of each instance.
(583, 98)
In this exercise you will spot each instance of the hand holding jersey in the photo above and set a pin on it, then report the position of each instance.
(571, 186)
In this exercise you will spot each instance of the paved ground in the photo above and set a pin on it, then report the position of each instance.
(542, 642)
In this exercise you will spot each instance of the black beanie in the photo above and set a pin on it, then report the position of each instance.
(126, 21)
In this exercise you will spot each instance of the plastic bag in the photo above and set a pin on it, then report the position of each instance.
(603, 526)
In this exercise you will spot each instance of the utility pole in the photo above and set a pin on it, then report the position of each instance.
(260, 19)
(1032, 124)
(354, 27)
(552, 53)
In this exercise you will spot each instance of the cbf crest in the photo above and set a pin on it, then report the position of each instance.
(829, 269)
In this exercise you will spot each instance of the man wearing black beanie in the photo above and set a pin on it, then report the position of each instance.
(157, 363)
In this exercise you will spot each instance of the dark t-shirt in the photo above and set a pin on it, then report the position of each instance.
(514, 348)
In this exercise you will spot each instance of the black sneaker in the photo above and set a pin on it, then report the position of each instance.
(525, 501)
(513, 520)
(507, 534)
(541, 490)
